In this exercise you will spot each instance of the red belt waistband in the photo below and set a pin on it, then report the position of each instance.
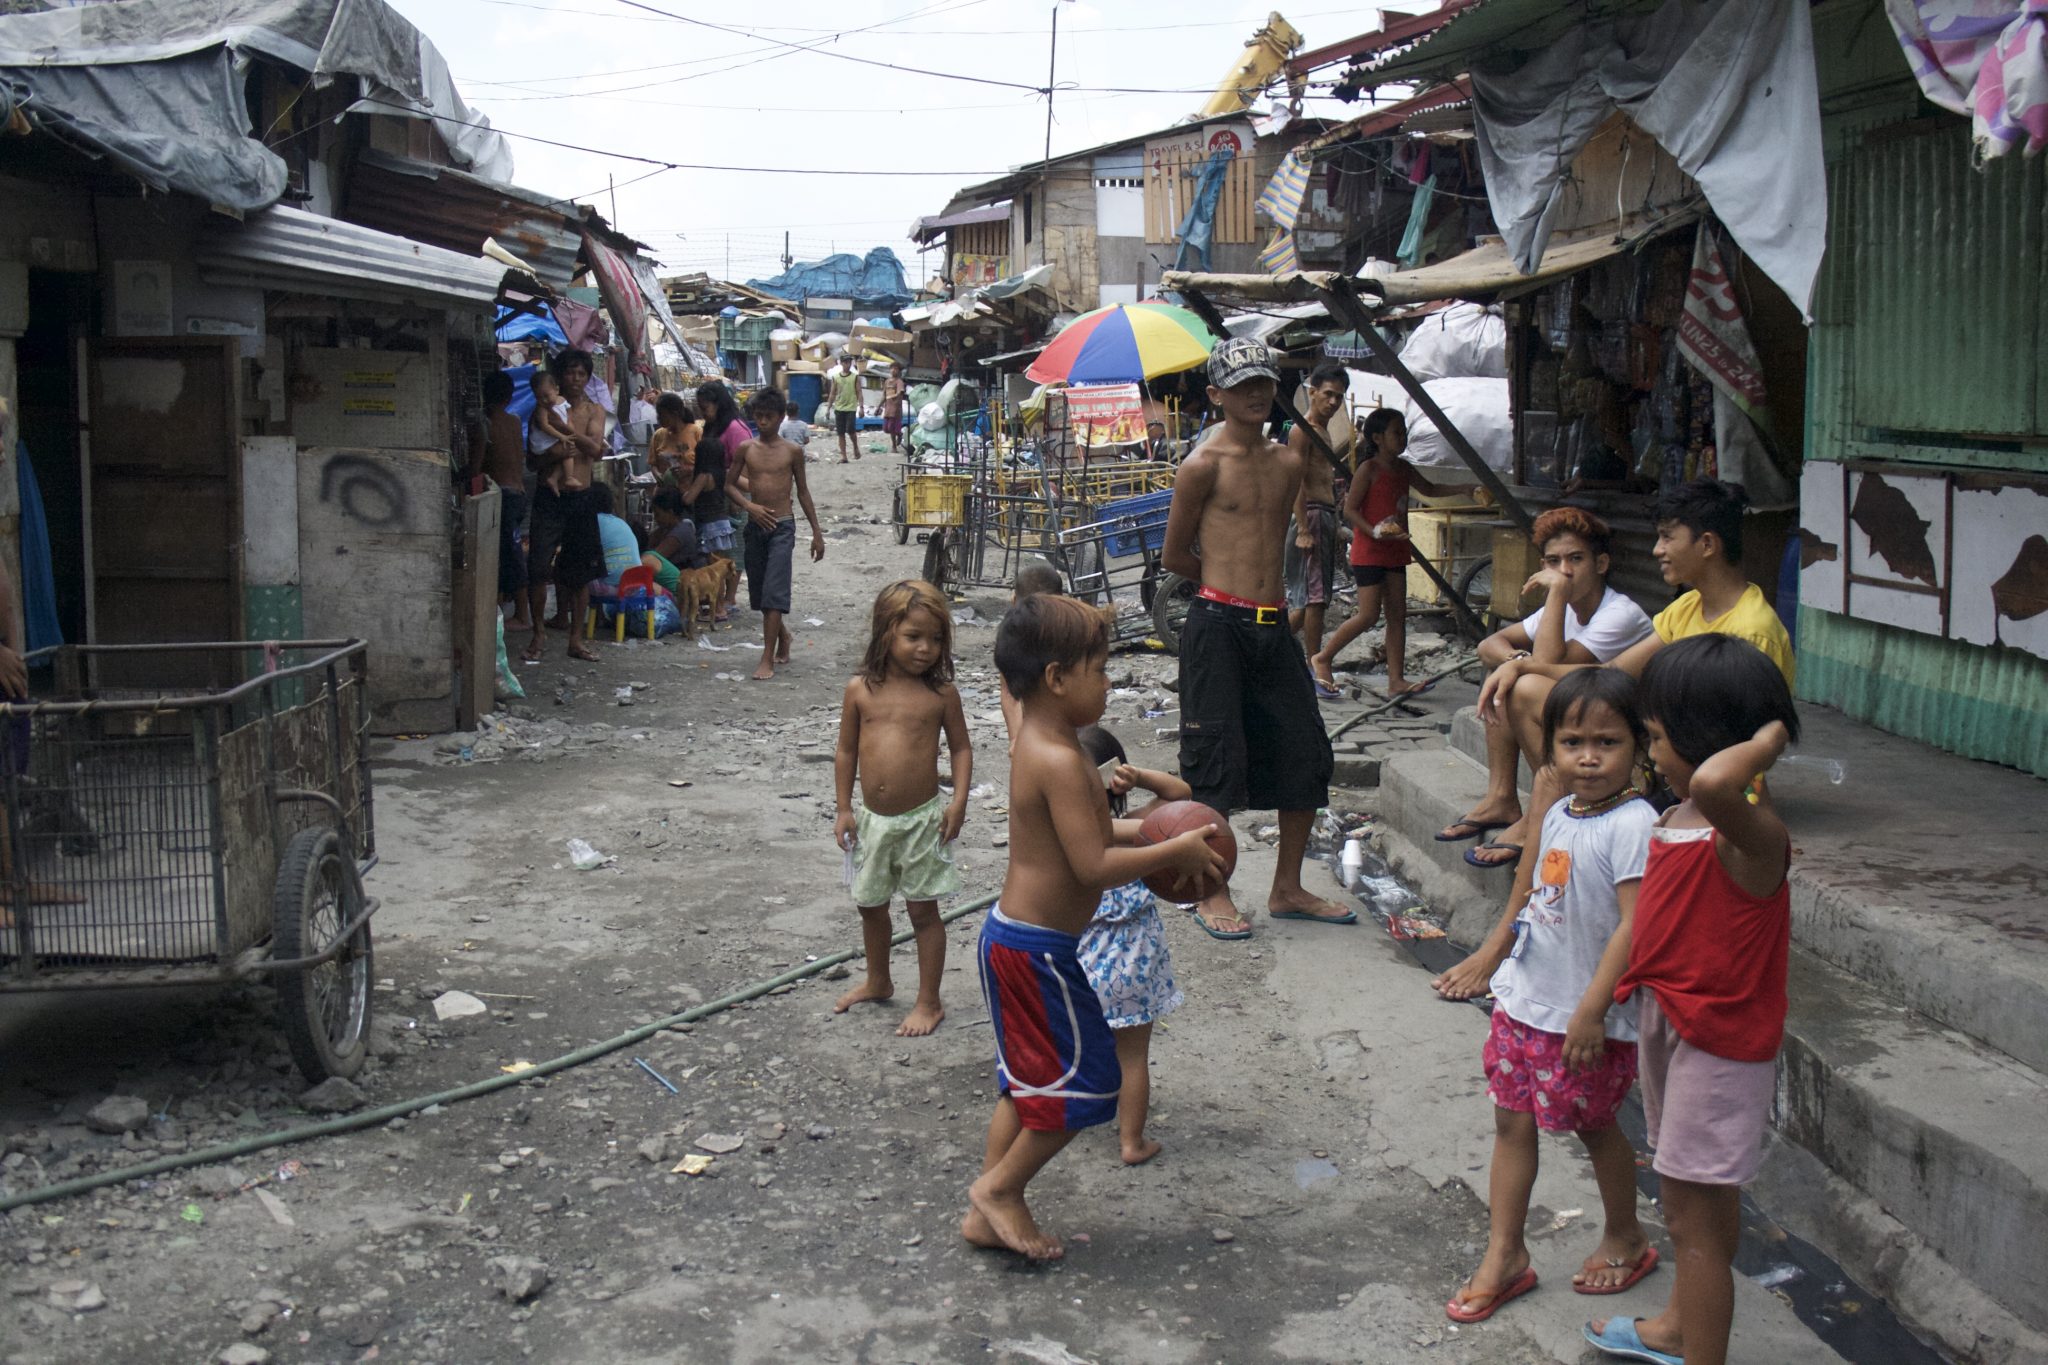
(1209, 594)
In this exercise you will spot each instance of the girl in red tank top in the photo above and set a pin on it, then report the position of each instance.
(1376, 507)
(1707, 962)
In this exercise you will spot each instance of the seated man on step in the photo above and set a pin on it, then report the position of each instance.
(1581, 621)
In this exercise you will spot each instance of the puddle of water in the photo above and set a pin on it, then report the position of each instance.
(1313, 1171)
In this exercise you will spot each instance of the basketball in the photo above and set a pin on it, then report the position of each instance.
(1176, 817)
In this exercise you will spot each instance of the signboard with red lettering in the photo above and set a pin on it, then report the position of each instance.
(1106, 414)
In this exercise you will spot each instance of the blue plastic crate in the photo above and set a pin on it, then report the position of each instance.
(1133, 525)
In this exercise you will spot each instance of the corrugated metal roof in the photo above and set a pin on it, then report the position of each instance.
(1494, 28)
(289, 249)
(453, 209)
(924, 229)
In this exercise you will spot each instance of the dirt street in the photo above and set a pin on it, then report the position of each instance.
(1323, 1118)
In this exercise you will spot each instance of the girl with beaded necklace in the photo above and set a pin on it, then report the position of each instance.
(1561, 1055)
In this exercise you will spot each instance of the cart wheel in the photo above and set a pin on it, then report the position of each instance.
(900, 514)
(938, 559)
(325, 1009)
(1170, 608)
(1475, 586)
(1085, 577)
(1148, 587)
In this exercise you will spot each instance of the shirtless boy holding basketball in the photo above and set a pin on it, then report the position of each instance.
(1251, 735)
(1056, 1063)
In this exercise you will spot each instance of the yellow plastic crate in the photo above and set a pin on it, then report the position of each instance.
(936, 499)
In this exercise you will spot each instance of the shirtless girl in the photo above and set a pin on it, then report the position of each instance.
(1251, 734)
(759, 482)
(902, 840)
(565, 545)
(1056, 1066)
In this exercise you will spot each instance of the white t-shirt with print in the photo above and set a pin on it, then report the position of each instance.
(1571, 913)
(1617, 623)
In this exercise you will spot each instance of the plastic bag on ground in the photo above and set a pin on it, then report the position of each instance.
(508, 681)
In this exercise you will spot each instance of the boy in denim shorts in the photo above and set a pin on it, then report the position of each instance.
(1251, 734)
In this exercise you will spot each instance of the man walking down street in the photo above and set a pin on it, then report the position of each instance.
(844, 385)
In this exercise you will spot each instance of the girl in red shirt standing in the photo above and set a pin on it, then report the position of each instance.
(1376, 506)
(1707, 961)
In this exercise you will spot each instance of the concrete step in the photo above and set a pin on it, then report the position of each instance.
(1922, 875)
(1938, 1129)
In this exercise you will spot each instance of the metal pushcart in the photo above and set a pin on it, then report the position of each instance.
(187, 814)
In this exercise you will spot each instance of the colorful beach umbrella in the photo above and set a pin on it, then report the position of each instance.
(1124, 344)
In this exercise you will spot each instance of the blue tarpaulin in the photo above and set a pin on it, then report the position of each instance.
(531, 326)
(38, 574)
(876, 279)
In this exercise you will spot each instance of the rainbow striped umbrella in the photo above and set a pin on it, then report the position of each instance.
(1124, 344)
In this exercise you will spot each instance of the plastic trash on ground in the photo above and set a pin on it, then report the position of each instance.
(584, 858)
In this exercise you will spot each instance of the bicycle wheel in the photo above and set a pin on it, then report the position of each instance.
(325, 1009)
(900, 515)
(1170, 602)
(1475, 586)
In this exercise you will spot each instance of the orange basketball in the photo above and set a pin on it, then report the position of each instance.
(1176, 817)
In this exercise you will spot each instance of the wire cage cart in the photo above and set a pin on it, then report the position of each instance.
(186, 814)
(1098, 519)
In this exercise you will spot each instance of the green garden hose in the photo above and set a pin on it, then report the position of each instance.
(369, 1117)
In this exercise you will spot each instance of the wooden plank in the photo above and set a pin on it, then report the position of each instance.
(476, 608)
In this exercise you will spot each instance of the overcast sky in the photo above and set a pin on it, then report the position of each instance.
(604, 74)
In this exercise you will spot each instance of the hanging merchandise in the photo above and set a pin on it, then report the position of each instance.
(1714, 338)
(1410, 254)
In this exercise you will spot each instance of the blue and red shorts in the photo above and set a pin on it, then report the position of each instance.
(1055, 1056)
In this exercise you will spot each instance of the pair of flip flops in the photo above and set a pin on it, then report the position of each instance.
(1621, 1340)
(1620, 1335)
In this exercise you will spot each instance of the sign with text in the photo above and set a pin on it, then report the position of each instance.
(1106, 414)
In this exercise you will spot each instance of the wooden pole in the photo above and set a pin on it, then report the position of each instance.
(1341, 298)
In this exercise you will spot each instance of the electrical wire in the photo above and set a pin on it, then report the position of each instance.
(919, 33)
(368, 1118)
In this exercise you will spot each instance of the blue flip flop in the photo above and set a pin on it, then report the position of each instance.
(1621, 1341)
(1227, 935)
(1494, 843)
(1348, 917)
(1327, 692)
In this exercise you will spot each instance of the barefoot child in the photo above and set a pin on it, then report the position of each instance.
(1124, 951)
(1035, 577)
(901, 840)
(1707, 962)
(1056, 1063)
(764, 473)
(1562, 1055)
(1376, 506)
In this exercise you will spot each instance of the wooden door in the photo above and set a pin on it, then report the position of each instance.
(162, 476)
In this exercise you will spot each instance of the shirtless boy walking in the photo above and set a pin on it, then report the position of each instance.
(760, 480)
(1312, 554)
(564, 543)
(502, 456)
(1251, 735)
(1056, 1065)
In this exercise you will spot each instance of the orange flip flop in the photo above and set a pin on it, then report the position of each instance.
(1514, 1289)
(1644, 1264)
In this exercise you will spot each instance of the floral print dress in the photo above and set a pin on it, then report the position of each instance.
(1124, 953)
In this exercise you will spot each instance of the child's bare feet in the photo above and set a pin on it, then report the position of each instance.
(876, 991)
(766, 670)
(975, 1228)
(782, 645)
(921, 1020)
(1144, 1151)
(1009, 1218)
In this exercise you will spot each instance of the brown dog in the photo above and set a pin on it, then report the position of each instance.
(698, 588)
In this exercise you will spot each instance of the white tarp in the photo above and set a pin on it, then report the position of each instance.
(1727, 87)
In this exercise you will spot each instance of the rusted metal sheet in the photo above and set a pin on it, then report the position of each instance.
(453, 209)
(1948, 290)
(290, 249)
